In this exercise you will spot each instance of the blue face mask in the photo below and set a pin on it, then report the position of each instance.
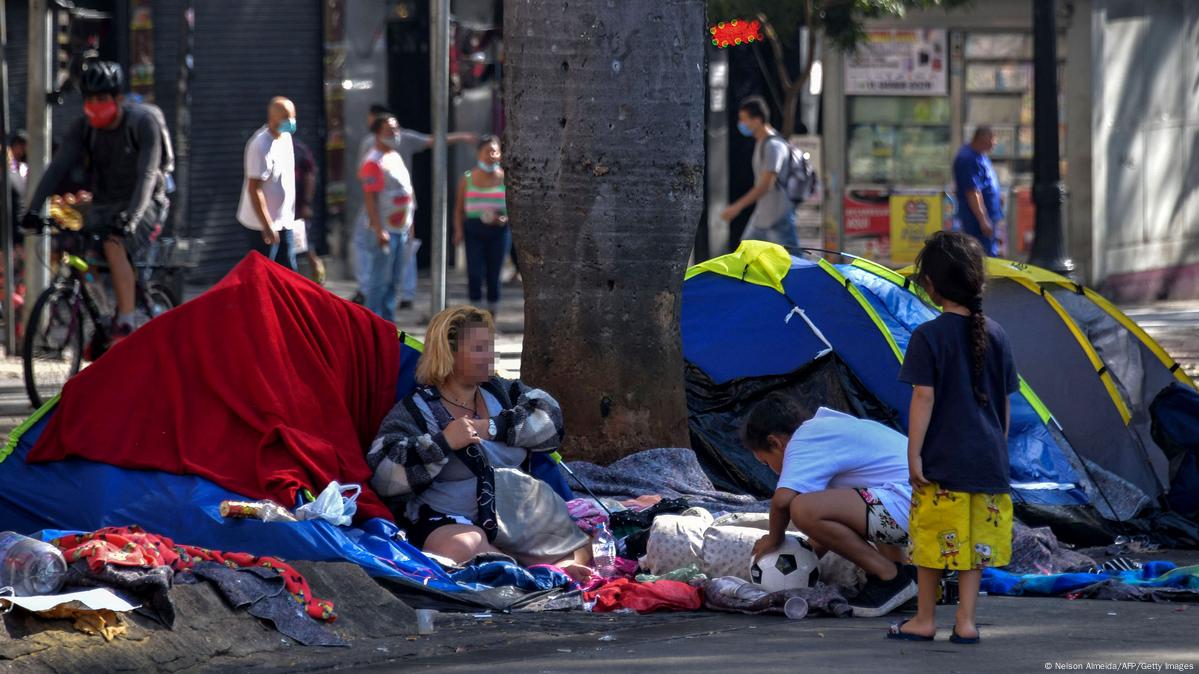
(287, 126)
(744, 129)
(490, 168)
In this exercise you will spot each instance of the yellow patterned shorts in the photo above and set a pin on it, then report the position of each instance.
(959, 531)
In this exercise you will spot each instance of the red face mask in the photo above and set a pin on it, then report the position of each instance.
(100, 113)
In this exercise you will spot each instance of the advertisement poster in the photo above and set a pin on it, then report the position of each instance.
(867, 215)
(913, 218)
(898, 63)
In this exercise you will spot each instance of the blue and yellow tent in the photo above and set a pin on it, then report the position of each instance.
(760, 320)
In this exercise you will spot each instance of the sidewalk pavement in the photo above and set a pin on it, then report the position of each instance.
(1175, 325)
(510, 322)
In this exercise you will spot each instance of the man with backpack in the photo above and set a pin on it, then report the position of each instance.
(127, 151)
(783, 178)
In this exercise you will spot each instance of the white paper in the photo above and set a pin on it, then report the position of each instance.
(299, 236)
(95, 599)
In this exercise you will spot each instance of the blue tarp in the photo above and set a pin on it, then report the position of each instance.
(1156, 574)
(79, 495)
(1040, 472)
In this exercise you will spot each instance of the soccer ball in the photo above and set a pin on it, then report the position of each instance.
(793, 566)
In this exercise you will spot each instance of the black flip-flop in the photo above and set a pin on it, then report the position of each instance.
(896, 632)
(954, 638)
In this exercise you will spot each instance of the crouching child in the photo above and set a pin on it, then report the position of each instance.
(843, 482)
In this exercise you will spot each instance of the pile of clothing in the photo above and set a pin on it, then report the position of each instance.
(145, 566)
(683, 545)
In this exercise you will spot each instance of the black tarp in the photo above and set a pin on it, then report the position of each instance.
(716, 412)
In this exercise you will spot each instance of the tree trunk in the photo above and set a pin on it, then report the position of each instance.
(604, 153)
(790, 108)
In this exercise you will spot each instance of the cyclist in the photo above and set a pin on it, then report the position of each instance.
(127, 151)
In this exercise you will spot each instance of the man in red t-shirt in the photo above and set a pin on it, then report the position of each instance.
(388, 200)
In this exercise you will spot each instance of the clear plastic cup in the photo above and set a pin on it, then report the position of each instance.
(424, 620)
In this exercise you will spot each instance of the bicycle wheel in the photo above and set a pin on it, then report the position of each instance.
(160, 300)
(54, 341)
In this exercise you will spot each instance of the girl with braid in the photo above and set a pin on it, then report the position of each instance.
(960, 367)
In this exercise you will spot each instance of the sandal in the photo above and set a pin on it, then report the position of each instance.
(895, 631)
(955, 639)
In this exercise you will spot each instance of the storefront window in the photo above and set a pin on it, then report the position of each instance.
(899, 140)
(999, 93)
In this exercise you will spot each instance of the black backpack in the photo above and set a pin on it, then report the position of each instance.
(1174, 415)
(798, 178)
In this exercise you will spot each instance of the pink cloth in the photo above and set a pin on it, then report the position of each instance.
(586, 514)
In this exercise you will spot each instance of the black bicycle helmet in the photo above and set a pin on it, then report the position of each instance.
(101, 77)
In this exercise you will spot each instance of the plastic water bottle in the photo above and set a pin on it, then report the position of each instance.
(603, 552)
(29, 566)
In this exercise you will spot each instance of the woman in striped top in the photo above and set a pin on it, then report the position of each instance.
(481, 220)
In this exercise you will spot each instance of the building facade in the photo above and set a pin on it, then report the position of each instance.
(213, 65)
(896, 111)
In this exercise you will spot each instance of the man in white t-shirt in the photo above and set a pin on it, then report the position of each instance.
(773, 218)
(843, 482)
(268, 198)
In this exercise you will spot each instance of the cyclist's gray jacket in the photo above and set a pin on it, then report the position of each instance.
(127, 165)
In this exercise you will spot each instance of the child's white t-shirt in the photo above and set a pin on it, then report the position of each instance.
(834, 450)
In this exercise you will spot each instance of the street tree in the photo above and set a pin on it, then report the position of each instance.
(841, 22)
(604, 153)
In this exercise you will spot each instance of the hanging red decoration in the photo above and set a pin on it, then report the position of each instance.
(735, 32)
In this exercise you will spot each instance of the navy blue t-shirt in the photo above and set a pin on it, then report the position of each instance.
(972, 170)
(965, 448)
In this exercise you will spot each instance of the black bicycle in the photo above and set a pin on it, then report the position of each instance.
(70, 323)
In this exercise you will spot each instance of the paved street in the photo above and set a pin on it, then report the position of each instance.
(1020, 634)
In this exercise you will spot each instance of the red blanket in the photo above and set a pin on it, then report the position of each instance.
(266, 384)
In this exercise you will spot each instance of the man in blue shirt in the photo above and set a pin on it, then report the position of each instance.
(980, 209)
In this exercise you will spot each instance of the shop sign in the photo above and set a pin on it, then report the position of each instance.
(898, 63)
(913, 218)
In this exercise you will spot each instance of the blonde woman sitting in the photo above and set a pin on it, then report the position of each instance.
(435, 457)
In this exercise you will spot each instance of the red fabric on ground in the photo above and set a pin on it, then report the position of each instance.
(660, 595)
(266, 384)
(132, 546)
